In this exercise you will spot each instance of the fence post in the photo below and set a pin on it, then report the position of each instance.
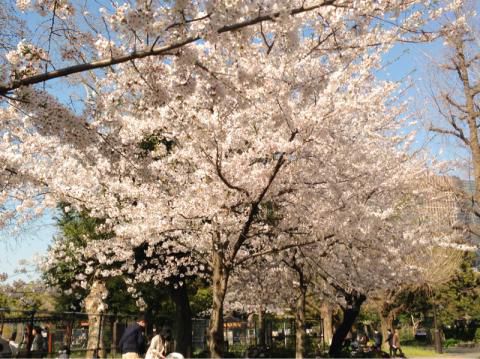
(3, 320)
(29, 334)
(113, 347)
(49, 340)
(97, 347)
(69, 333)
(323, 334)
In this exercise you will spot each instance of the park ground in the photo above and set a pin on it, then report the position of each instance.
(449, 353)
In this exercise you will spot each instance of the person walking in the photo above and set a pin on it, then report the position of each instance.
(37, 343)
(377, 340)
(396, 343)
(158, 348)
(132, 343)
(13, 345)
(390, 342)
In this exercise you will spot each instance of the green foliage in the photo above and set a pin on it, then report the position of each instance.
(418, 352)
(153, 142)
(202, 300)
(460, 297)
(77, 229)
(280, 352)
(22, 296)
(118, 301)
(406, 333)
(159, 306)
(270, 213)
(457, 300)
(477, 336)
(462, 330)
(368, 315)
(450, 342)
(414, 301)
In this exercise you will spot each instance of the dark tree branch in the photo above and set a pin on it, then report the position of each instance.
(243, 236)
(269, 46)
(218, 167)
(283, 248)
(157, 51)
(452, 102)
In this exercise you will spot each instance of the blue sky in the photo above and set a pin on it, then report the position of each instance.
(29, 242)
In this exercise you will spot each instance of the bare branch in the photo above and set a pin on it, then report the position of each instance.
(269, 46)
(451, 132)
(455, 104)
(285, 247)
(52, 26)
(476, 89)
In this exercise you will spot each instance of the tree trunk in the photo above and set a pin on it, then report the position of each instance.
(463, 68)
(386, 323)
(300, 322)
(354, 302)
(219, 287)
(94, 306)
(261, 326)
(183, 321)
(327, 313)
(437, 339)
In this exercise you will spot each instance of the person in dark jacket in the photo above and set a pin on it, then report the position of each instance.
(37, 348)
(132, 343)
(377, 340)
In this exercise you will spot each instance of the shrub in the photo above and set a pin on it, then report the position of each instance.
(451, 342)
(477, 336)
(282, 352)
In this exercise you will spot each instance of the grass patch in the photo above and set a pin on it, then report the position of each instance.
(414, 351)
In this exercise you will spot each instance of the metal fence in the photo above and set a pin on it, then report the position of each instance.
(242, 334)
(68, 331)
(65, 331)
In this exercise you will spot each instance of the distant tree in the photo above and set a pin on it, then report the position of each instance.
(20, 295)
(71, 267)
(460, 298)
(456, 87)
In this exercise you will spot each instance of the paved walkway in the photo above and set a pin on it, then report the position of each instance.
(456, 353)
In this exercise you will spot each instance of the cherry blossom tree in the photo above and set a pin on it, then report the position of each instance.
(74, 265)
(215, 113)
(156, 28)
(381, 253)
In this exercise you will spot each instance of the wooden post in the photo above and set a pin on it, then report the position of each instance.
(69, 334)
(113, 347)
(50, 340)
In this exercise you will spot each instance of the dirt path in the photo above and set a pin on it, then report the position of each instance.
(456, 353)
